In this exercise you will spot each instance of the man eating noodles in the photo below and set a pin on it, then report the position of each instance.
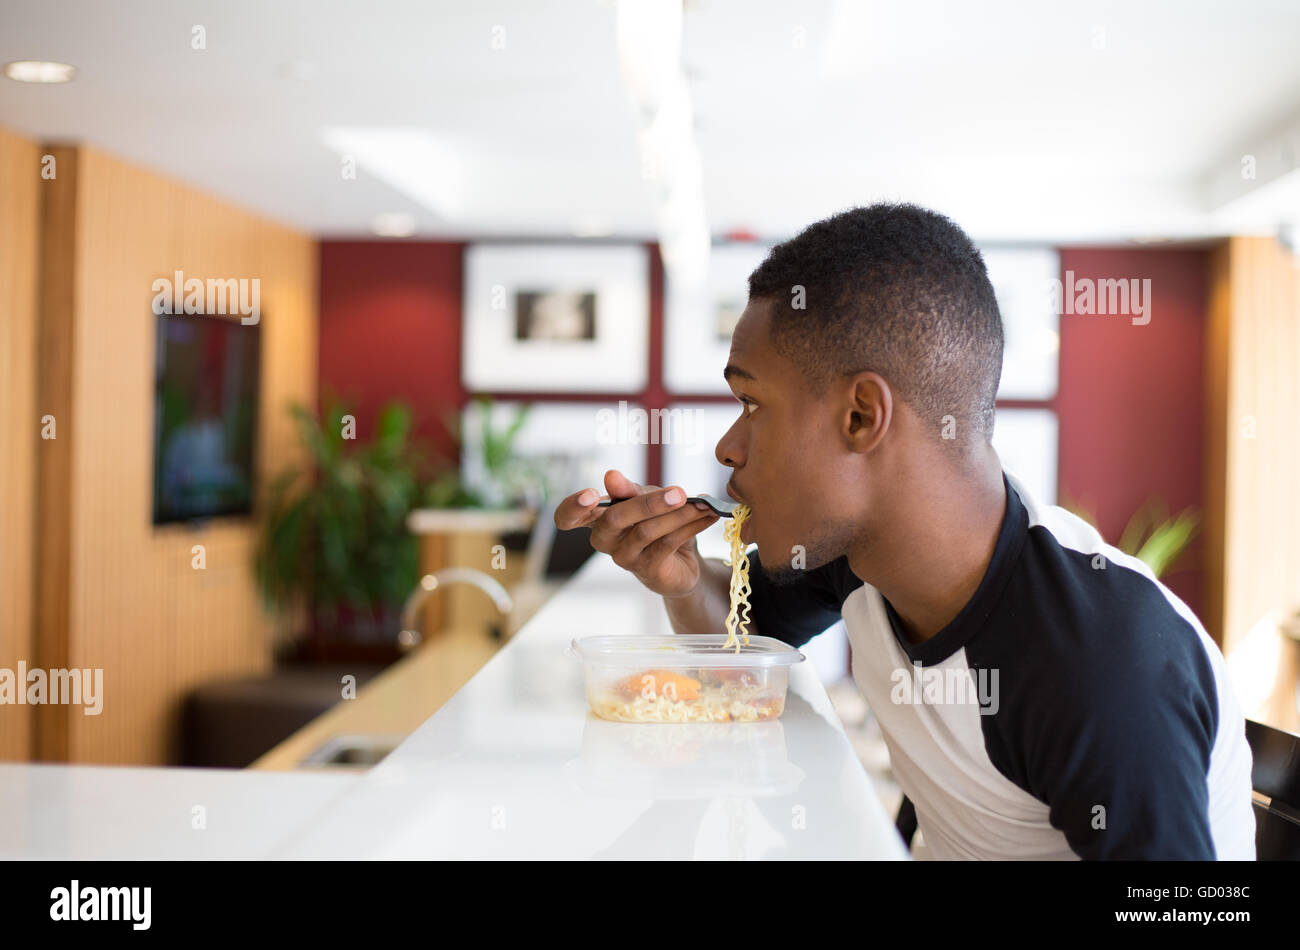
(1100, 722)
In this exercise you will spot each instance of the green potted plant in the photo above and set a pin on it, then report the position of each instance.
(503, 479)
(334, 537)
(1152, 535)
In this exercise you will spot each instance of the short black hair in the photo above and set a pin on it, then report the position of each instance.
(898, 290)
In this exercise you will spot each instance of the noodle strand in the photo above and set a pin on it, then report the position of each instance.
(738, 616)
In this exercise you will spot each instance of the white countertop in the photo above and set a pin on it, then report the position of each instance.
(513, 766)
(468, 520)
(114, 812)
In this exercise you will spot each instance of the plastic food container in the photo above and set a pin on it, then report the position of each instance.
(678, 678)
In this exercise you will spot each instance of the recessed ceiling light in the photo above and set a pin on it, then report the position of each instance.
(30, 70)
(590, 226)
(393, 224)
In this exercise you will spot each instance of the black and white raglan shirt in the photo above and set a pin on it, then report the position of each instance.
(1074, 708)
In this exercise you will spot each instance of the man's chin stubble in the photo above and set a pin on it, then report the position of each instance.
(781, 577)
(819, 553)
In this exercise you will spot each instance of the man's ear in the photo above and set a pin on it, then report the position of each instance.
(869, 411)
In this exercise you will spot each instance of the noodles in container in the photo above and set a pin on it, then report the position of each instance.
(685, 678)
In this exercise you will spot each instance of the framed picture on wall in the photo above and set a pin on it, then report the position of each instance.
(1027, 442)
(561, 446)
(555, 318)
(698, 324)
(1022, 280)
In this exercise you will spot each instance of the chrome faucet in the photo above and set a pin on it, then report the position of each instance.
(410, 636)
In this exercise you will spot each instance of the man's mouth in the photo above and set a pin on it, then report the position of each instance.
(746, 530)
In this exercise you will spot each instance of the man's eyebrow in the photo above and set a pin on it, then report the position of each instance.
(734, 370)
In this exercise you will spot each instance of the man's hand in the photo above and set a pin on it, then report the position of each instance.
(652, 535)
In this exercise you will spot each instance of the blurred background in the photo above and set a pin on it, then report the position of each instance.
(304, 301)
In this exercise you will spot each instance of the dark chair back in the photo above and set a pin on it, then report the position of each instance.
(906, 821)
(1275, 781)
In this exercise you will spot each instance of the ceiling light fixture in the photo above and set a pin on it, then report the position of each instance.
(393, 224)
(649, 35)
(31, 70)
(590, 226)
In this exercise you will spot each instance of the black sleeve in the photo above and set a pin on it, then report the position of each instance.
(1125, 769)
(796, 613)
(1107, 711)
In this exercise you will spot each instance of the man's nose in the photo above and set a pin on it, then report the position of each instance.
(729, 450)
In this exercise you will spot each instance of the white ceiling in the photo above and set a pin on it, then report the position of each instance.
(1068, 122)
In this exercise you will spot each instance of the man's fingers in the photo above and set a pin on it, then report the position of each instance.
(620, 486)
(668, 544)
(627, 549)
(649, 504)
(573, 513)
(634, 514)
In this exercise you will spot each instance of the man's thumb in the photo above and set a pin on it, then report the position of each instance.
(620, 487)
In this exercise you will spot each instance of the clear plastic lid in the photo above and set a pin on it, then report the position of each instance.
(684, 651)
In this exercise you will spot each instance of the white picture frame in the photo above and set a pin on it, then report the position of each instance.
(1028, 443)
(1022, 280)
(565, 440)
(695, 351)
(555, 318)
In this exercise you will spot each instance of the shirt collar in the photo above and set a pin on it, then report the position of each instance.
(954, 636)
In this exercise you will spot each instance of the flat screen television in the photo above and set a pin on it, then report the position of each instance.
(205, 417)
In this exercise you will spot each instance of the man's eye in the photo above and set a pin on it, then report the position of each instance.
(749, 406)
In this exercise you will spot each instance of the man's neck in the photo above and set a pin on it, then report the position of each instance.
(930, 556)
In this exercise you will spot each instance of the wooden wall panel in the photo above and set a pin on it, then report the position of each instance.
(137, 608)
(20, 184)
(1253, 460)
(1214, 521)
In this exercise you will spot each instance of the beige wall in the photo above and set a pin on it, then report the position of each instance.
(20, 184)
(1253, 444)
(115, 592)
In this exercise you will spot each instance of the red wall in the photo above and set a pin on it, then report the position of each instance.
(1130, 400)
(390, 329)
